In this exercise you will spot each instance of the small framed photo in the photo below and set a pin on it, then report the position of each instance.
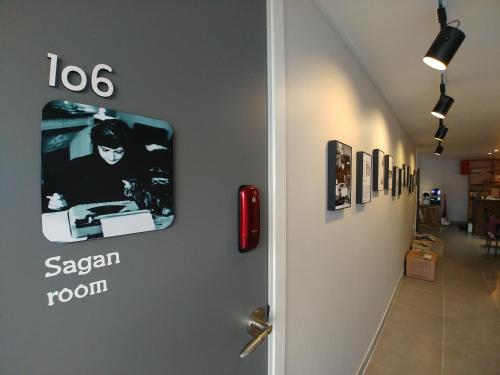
(378, 170)
(388, 172)
(363, 177)
(395, 181)
(416, 180)
(339, 175)
(400, 181)
(404, 176)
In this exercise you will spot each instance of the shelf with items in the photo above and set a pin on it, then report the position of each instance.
(484, 180)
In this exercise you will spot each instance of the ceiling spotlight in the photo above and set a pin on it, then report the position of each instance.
(439, 149)
(489, 153)
(441, 132)
(446, 43)
(442, 106)
(444, 103)
(496, 150)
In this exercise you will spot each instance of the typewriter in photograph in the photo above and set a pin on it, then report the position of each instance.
(85, 219)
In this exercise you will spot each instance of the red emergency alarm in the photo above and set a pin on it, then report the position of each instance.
(249, 211)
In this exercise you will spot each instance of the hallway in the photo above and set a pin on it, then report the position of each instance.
(451, 326)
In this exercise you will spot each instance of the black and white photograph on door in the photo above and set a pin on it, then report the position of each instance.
(339, 175)
(104, 173)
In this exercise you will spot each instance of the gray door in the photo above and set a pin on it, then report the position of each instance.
(179, 299)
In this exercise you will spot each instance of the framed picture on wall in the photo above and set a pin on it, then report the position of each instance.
(388, 171)
(339, 175)
(363, 177)
(378, 170)
(410, 186)
(395, 181)
(404, 176)
(408, 173)
(400, 181)
(414, 187)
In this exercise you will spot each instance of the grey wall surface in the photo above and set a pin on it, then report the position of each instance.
(175, 303)
(342, 267)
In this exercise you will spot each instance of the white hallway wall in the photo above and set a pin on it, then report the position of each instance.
(445, 174)
(342, 267)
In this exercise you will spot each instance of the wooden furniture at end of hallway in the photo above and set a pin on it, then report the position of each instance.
(493, 233)
(481, 208)
(484, 179)
(429, 215)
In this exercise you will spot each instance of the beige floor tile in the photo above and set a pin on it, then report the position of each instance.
(374, 369)
(492, 281)
(461, 264)
(468, 290)
(421, 300)
(463, 362)
(474, 288)
(411, 339)
(481, 310)
(490, 267)
(456, 272)
(400, 352)
(472, 336)
(429, 286)
(489, 259)
(408, 323)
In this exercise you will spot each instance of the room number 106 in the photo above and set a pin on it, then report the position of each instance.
(96, 81)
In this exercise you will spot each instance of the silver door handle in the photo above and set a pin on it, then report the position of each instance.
(259, 329)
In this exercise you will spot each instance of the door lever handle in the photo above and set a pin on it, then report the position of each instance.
(259, 329)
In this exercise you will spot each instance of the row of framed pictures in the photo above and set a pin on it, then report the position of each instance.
(377, 175)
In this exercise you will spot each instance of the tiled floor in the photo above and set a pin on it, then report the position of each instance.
(451, 326)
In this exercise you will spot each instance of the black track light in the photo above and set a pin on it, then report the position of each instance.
(442, 106)
(445, 45)
(444, 103)
(441, 132)
(439, 149)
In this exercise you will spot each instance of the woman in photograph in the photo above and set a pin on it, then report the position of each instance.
(98, 177)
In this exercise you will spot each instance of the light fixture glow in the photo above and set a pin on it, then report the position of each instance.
(495, 150)
(438, 115)
(439, 149)
(434, 64)
(489, 153)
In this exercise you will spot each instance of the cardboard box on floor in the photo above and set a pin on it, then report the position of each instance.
(436, 244)
(421, 245)
(421, 265)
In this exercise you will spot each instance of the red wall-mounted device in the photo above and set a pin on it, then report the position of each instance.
(249, 211)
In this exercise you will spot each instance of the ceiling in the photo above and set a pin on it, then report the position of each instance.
(390, 37)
